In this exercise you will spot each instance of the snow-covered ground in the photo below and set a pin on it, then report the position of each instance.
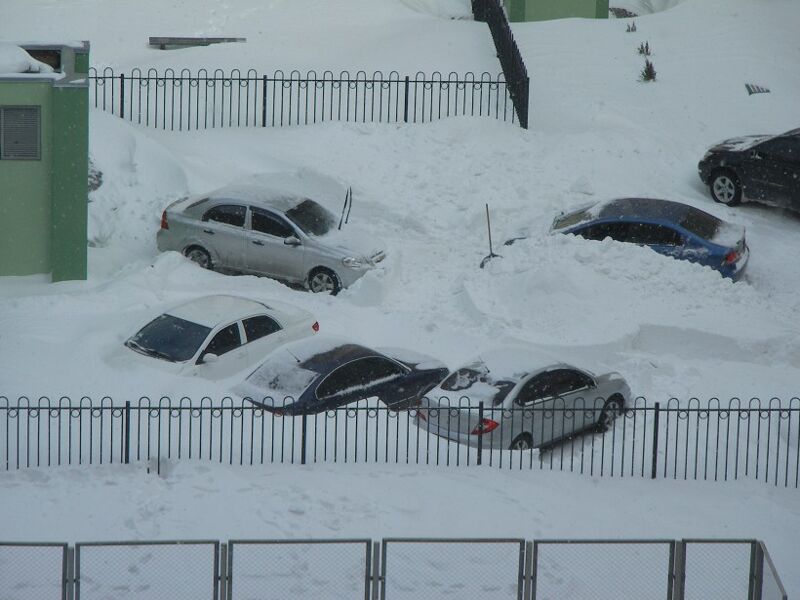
(671, 328)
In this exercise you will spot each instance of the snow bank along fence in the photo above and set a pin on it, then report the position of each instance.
(514, 69)
(182, 100)
(739, 439)
(393, 569)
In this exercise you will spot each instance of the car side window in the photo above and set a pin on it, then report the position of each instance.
(360, 373)
(616, 231)
(569, 380)
(229, 214)
(265, 222)
(260, 326)
(787, 149)
(224, 341)
(540, 386)
(653, 234)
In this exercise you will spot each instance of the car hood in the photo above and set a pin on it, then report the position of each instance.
(739, 144)
(352, 240)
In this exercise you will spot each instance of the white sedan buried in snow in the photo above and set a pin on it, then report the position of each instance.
(529, 401)
(217, 336)
(281, 225)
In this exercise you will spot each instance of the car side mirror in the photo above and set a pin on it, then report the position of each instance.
(291, 241)
(209, 358)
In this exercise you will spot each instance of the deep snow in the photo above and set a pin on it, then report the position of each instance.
(671, 328)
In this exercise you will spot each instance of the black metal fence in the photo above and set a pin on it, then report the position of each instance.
(714, 441)
(393, 569)
(514, 69)
(182, 100)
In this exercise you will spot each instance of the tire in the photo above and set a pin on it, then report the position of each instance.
(522, 442)
(199, 255)
(611, 409)
(324, 281)
(725, 187)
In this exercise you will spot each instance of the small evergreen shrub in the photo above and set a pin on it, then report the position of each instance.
(648, 72)
(631, 27)
(644, 48)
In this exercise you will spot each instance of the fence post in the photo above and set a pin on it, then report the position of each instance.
(655, 441)
(69, 592)
(756, 571)
(222, 576)
(375, 576)
(527, 577)
(122, 95)
(126, 415)
(405, 102)
(303, 432)
(679, 571)
(480, 437)
(264, 101)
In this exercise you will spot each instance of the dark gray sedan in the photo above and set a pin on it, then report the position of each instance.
(279, 225)
(529, 401)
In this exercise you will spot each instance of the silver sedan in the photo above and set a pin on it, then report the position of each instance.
(278, 225)
(529, 401)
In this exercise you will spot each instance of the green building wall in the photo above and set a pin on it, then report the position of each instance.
(543, 10)
(44, 203)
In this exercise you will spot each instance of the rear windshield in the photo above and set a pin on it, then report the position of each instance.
(312, 218)
(169, 338)
(481, 385)
(701, 224)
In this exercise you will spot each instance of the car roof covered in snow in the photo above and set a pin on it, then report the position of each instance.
(284, 190)
(215, 310)
(647, 208)
(514, 363)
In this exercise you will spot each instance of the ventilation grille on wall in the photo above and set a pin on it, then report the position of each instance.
(20, 133)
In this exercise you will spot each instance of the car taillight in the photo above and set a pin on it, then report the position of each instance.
(485, 426)
(164, 223)
(315, 326)
(731, 257)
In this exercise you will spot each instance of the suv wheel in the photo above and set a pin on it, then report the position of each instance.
(725, 188)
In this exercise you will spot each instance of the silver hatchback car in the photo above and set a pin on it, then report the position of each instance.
(529, 401)
(280, 225)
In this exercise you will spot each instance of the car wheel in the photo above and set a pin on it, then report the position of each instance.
(611, 409)
(324, 281)
(522, 442)
(200, 256)
(725, 188)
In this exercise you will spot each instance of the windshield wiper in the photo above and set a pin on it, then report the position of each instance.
(148, 351)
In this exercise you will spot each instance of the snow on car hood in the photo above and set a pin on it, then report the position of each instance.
(353, 240)
(739, 144)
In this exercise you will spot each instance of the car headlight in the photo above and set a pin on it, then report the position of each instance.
(352, 262)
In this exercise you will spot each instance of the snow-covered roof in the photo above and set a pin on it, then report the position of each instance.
(213, 310)
(14, 60)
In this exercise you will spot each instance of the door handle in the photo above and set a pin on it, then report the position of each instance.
(258, 243)
(208, 231)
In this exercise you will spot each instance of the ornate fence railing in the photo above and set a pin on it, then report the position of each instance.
(183, 100)
(514, 69)
(714, 441)
(394, 568)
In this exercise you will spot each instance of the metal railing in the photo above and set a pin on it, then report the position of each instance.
(183, 100)
(514, 69)
(393, 569)
(714, 441)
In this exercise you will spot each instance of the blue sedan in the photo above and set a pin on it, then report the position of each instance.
(669, 228)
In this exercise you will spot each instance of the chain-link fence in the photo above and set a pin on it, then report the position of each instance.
(603, 569)
(178, 570)
(718, 568)
(33, 571)
(299, 569)
(771, 587)
(490, 569)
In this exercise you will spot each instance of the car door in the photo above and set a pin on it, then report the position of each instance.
(661, 238)
(267, 250)
(575, 389)
(360, 379)
(600, 231)
(262, 335)
(773, 166)
(231, 353)
(222, 232)
(539, 394)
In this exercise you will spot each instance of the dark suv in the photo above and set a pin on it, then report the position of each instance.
(758, 168)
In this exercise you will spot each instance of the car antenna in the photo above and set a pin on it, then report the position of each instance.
(491, 254)
(347, 201)
(349, 204)
(293, 355)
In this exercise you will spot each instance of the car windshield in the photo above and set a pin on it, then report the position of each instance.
(312, 218)
(701, 224)
(463, 379)
(573, 218)
(169, 338)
